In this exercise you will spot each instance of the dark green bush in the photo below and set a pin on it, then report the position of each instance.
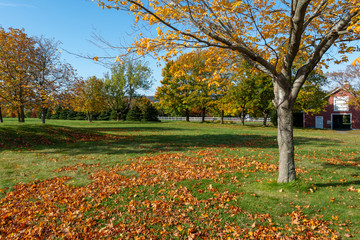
(134, 114)
(150, 113)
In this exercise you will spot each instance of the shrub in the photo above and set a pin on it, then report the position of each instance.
(64, 114)
(48, 114)
(104, 116)
(134, 114)
(56, 115)
(71, 115)
(80, 116)
(151, 113)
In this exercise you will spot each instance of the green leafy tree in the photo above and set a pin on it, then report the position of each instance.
(56, 113)
(80, 116)
(312, 97)
(71, 114)
(174, 93)
(192, 81)
(122, 83)
(64, 114)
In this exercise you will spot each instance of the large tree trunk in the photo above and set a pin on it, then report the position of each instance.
(203, 112)
(265, 116)
(1, 117)
(21, 114)
(222, 117)
(89, 117)
(118, 114)
(285, 136)
(43, 115)
(242, 116)
(187, 114)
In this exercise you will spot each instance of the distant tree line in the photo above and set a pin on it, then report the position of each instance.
(35, 81)
(200, 83)
(142, 110)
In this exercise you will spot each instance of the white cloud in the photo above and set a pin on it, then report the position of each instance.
(15, 5)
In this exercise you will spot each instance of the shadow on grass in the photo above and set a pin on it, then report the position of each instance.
(137, 140)
(43, 136)
(338, 184)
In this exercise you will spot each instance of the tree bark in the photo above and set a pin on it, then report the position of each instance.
(265, 116)
(203, 112)
(1, 117)
(43, 115)
(89, 117)
(22, 113)
(222, 117)
(284, 108)
(187, 114)
(242, 117)
(118, 113)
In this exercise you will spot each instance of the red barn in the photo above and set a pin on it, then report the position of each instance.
(338, 114)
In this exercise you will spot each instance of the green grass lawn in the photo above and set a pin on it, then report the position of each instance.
(74, 179)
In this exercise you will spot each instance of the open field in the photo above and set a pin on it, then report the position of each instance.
(73, 179)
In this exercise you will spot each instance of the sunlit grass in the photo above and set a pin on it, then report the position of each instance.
(177, 180)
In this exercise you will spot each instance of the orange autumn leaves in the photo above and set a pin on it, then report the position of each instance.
(147, 199)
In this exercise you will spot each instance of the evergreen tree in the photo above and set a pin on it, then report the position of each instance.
(48, 114)
(64, 114)
(151, 113)
(134, 114)
(80, 116)
(71, 115)
(104, 115)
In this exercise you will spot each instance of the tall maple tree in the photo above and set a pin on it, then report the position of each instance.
(192, 81)
(88, 97)
(174, 93)
(270, 35)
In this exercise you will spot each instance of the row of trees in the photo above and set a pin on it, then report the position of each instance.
(222, 85)
(33, 77)
(116, 92)
(32, 74)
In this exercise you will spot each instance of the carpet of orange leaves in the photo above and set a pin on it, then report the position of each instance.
(54, 209)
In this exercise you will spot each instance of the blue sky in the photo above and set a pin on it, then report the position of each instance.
(72, 22)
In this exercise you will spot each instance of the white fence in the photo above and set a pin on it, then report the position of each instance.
(213, 119)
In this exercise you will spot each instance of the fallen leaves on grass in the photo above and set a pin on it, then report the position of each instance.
(116, 205)
(341, 162)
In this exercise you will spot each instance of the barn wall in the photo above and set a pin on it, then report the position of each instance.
(329, 109)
